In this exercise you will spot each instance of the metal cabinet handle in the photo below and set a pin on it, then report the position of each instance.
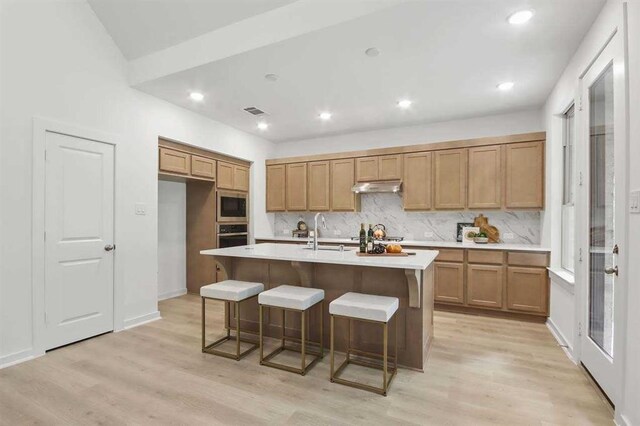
(611, 270)
(109, 247)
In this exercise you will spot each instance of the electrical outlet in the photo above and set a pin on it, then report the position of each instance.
(285, 232)
(428, 234)
(634, 202)
(508, 236)
(337, 232)
(141, 209)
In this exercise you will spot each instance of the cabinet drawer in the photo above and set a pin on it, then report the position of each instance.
(529, 259)
(449, 255)
(485, 256)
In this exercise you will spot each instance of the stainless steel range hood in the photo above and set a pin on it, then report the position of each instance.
(378, 186)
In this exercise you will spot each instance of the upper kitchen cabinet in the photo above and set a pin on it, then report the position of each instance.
(296, 187)
(485, 177)
(343, 199)
(416, 193)
(387, 167)
(173, 161)
(232, 176)
(524, 175)
(450, 179)
(203, 167)
(276, 178)
(319, 185)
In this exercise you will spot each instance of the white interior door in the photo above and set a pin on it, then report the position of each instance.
(604, 131)
(79, 226)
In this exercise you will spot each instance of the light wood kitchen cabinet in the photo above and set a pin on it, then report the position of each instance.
(174, 161)
(343, 199)
(524, 175)
(296, 185)
(527, 289)
(485, 177)
(484, 285)
(240, 178)
(417, 182)
(319, 189)
(276, 188)
(449, 282)
(203, 167)
(390, 167)
(366, 169)
(225, 175)
(450, 179)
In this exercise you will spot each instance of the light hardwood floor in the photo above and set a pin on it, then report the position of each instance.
(481, 371)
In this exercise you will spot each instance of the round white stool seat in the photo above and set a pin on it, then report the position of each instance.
(291, 297)
(231, 290)
(364, 306)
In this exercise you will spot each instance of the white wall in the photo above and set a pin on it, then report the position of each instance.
(172, 239)
(493, 125)
(58, 62)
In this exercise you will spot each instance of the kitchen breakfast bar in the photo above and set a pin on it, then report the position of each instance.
(409, 278)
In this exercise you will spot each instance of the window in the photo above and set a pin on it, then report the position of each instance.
(568, 191)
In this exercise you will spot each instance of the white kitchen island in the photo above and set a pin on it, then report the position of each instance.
(409, 278)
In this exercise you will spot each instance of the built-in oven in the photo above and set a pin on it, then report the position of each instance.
(232, 207)
(232, 235)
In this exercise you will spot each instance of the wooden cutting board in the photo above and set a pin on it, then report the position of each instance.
(404, 253)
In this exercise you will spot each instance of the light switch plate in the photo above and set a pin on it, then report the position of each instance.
(141, 209)
(634, 202)
(285, 232)
(508, 236)
(337, 232)
(428, 234)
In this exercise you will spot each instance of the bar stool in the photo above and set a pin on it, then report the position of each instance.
(295, 299)
(372, 309)
(229, 291)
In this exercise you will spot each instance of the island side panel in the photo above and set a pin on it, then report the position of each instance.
(427, 311)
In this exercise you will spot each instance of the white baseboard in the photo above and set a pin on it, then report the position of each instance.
(142, 319)
(172, 294)
(622, 420)
(17, 358)
(557, 334)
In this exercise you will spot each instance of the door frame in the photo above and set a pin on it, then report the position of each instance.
(41, 126)
(582, 218)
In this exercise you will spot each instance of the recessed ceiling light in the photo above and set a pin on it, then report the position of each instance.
(507, 85)
(372, 51)
(325, 116)
(271, 77)
(404, 103)
(520, 17)
(196, 96)
(263, 125)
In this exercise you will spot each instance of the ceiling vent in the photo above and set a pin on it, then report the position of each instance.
(254, 111)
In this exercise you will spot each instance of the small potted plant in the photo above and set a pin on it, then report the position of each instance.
(481, 238)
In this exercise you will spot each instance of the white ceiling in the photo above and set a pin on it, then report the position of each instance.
(140, 27)
(446, 56)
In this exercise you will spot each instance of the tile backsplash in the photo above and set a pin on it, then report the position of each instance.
(515, 227)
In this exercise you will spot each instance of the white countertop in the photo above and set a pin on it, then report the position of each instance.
(417, 243)
(297, 253)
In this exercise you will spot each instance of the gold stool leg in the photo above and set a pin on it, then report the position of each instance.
(284, 322)
(331, 336)
(237, 309)
(261, 348)
(384, 358)
(203, 316)
(303, 342)
(349, 340)
(322, 329)
(395, 364)
(227, 317)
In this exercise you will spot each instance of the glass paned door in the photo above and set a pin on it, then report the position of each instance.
(601, 211)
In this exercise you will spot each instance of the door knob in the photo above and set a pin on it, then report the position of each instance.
(611, 270)
(109, 247)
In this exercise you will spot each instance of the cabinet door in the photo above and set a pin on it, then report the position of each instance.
(484, 285)
(240, 178)
(319, 185)
(485, 177)
(416, 185)
(450, 179)
(276, 177)
(390, 167)
(527, 289)
(524, 175)
(203, 167)
(343, 199)
(449, 282)
(174, 161)
(296, 197)
(225, 175)
(366, 169)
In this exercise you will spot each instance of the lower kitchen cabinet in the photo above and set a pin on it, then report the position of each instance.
(527, 289)
(484, 285)
(449, 282)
